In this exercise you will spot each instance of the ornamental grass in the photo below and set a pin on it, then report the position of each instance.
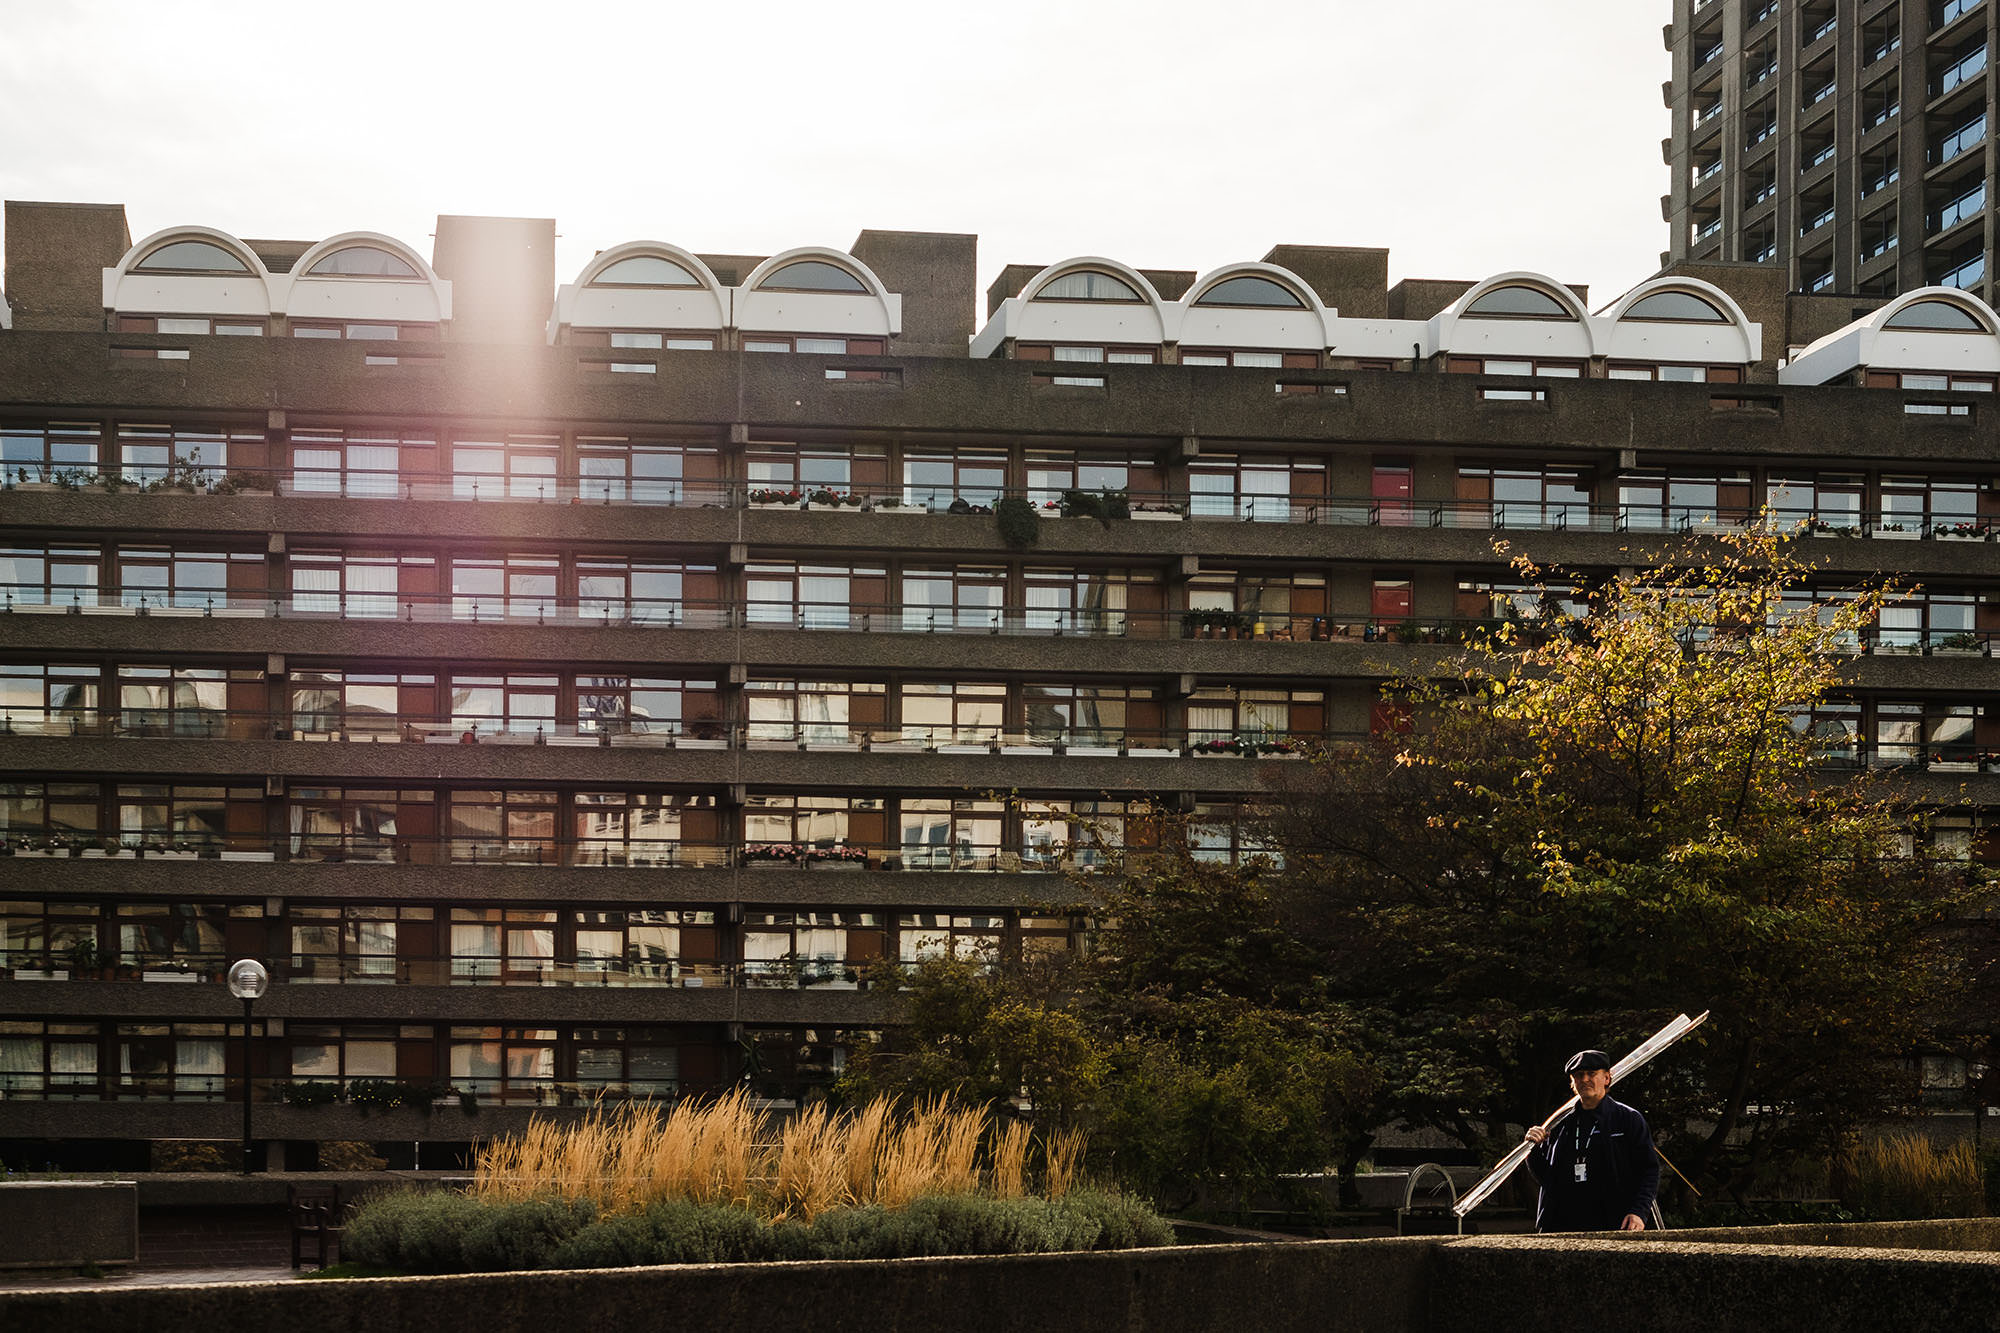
(625, 1159)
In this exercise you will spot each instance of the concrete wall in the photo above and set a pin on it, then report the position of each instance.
(64, 1223)
(1314, 1287)
(56, 257)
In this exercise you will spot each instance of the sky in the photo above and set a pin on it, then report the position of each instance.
(1468, 137)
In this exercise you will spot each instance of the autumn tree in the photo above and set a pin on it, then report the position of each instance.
(1613, 814)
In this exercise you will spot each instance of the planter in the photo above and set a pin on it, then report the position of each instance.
(900, 509)
(774, 504)
(1155, 516)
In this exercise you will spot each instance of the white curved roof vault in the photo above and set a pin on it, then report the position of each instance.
(580, 305)
(1733, 340)
(1488, 336)
(1141, 322)
(424, 299)
(1868, 343)
(128, 290)
(876, 312)
(1305, 327)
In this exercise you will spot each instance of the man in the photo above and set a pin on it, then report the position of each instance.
(1596, 1167)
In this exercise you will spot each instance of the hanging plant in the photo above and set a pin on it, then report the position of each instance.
(1019, 525)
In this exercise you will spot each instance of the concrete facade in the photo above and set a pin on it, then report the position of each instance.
(740, 650)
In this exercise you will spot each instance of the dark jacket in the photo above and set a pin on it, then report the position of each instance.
(1622, 1172)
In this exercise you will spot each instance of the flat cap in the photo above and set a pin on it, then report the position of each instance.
(1583, 1060)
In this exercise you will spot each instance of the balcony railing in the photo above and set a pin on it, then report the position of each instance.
(1966, 275)
(1968, 205)
(1960, 71)
(1967, 136)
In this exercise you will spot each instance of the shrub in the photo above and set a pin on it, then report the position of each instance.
(1020, 528)
(349, 1155)
(450, 1233)
(189, 1155)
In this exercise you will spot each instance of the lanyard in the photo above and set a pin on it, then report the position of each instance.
(1579, 1142)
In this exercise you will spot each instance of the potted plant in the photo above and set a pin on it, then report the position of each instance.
(826, 498)
(1961, 644)
(770, 853)
(772, 498)
(1154, 511)
(1967, 530)
(83, 956)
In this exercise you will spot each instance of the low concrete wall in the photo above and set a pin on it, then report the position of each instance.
(1309, 1287)
(1413, 1285)
(66, 1223)
(1521, 1285)
(1958, 1234)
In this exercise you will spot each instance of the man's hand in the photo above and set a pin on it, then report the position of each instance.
(1535, 1134)
(1632, 1222)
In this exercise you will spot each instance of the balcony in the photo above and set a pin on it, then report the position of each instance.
(1964, 276)
(1960, 141)
(1958, 73)
(1968, 205)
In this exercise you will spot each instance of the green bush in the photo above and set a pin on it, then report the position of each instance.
(441, 1232)
(1020, 527)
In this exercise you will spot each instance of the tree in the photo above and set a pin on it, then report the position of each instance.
(1614, 815)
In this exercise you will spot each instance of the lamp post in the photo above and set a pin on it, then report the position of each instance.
(247, 982)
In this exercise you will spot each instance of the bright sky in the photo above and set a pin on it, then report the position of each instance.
(1467, 136)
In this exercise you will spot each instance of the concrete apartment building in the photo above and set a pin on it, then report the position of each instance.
(1846, 140)
(568, 690)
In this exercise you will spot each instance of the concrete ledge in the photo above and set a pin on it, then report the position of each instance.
(1950, 1234)
(68, 1223)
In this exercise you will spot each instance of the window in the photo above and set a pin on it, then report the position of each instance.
(153, 579)
(646, 706)
(645, 271)
(617, 828)
(803, 467)
(1228, 834)
(502, 827)
(359, 462)
(1050, 474)
(1935, 316)
(820, 345)
(363, 261)
(927, 935)
(1221, 716)
(1518, 302)
(186, 701)
(43, 936)
(49, 576)
(497, 705)
(653, 340)
(635, 947)
(811, 275)
(942, 713)
(1676, 501)
(1086, 601)
(1084, 355)
(1672, 374)
(330, 1053)
(1544, 367)
(617, 589)
(520, 467)
(48, 699)
(627, 1062)
(812, 713)
(190, 257)
(176, 813)
(815, 596)
(1088, 285)
(39, 810)
(360, 585)
(1254, 360)
(366, 331)
(939, 833)
(1919, 506)
(1924, 732)
(1675, 307)
(1081, 833)
(1251, 291)
(33, 453)
(183, 324)
(810, 950)
(1912, 624)
(498, 587)
(356, 824)
(613, 470)
(363, 705)
(935, 480)
(175, 936)
(1092, 716)
(1824, 501)
(162, 456)
(171, 1061)
(1260, 488)
(504, 1064)
(787, 826)
(48, 1061)
(965, 597)
(1518, 497)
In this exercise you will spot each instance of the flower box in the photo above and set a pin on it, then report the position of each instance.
(1157, 515)
(898, 507)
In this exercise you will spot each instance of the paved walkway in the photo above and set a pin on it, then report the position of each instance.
(138, 1275)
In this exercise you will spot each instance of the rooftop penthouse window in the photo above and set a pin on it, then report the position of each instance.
(191, 257)
(1090, 285)
(363, 261)
(1676, 307)
(1244, 291)
(646, 271)
(1518, 302)
(812, 275)
(1937, 317)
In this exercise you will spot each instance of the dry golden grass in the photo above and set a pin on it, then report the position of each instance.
(722, 1151)
(1903, 1176)
(1010, 1160)
(1065, 1162)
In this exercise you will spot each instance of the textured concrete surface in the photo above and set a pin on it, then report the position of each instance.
(68, 1222)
